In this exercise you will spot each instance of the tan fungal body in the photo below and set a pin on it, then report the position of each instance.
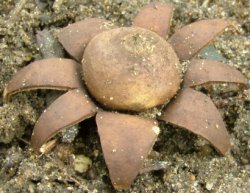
(130, 69)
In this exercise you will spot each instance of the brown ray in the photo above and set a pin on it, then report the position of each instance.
(196, 112)
(76, 36)
(66, 111)
(190, 39)
(52, 73)
(155, 17)
(210, 71)
(126, 141)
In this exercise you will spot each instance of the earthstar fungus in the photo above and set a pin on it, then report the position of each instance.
(130, 69)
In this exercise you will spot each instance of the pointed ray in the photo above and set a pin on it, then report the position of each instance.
(190, 39)
(75, 37)
(196, 112)
(53, 73)
(66, 111)
(155, 17)
(209, 71)
(126, 141)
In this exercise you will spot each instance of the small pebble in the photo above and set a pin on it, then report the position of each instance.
(209, 186)
(82, 163)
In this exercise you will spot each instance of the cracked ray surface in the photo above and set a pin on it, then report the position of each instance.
(52, 73)
(126, 141)
(76, 36)
(155, 17)
(56, 117)
(196, 112)
(209, 71)
(191, 38)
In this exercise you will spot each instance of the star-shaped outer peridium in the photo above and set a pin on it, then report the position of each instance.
(127, 139)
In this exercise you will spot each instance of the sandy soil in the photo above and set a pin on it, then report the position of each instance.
(192, 164)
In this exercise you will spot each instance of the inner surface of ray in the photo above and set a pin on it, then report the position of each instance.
(155, 17)
(190, 39)
(68, 110)
(209, 71)
(76, 36)
(196, 112)
(126, 141)
(52, 73)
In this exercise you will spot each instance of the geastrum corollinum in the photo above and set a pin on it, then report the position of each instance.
(128, 70)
